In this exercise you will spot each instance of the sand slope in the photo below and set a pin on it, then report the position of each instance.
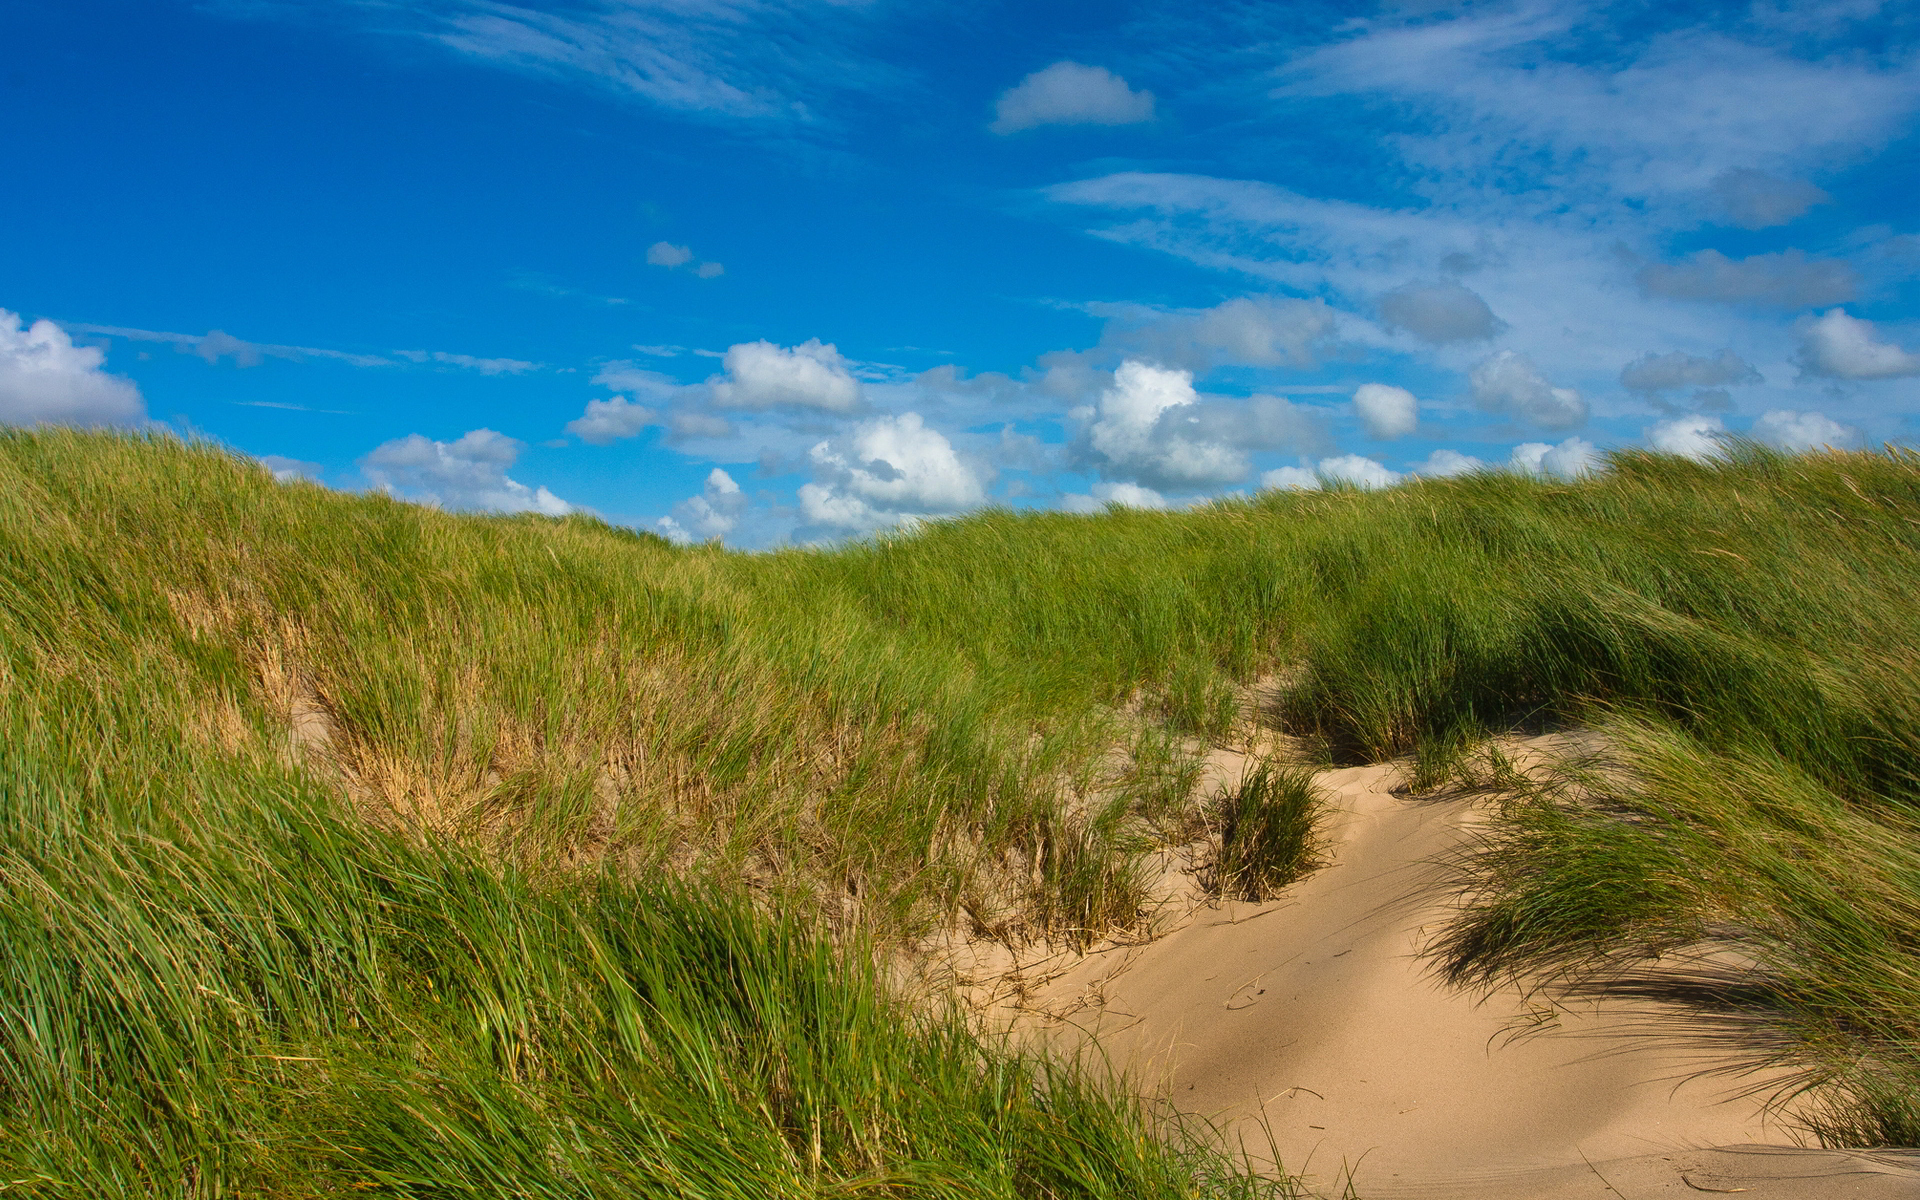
(1316, 1013)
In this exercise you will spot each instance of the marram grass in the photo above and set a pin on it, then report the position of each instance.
(351, 846)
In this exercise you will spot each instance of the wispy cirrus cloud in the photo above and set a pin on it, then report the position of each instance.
(1515, 99)
(1545, 159)
(758, 61)
(217, 344)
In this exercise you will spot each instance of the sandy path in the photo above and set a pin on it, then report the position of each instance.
(1315, 1013)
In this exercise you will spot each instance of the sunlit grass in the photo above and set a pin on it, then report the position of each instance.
(350, 844)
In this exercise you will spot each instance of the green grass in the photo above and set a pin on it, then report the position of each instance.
(253, 996)
(356, 846)
(1266, 830)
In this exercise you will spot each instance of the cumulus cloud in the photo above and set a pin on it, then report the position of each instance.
(1353, 470)
(668, 255)
(469, 473)
(1251, 331)
(1443, 464)
(1146, 428)
(607, 421)
(1697, 437)
(1439, 312)
(761, 375)
(1387, 411)
(1842, 347)
(1357, 471)
(1126, 495)
(1068, 93)
(1665, 372)
(891, 469)
(1798, 432)
(290, 470)
(1788, 279)
(672, 257)
(1290, 479)
(1509, 383)
(1756, 200)
(1568, 460)
(44, 377)
(714, 513)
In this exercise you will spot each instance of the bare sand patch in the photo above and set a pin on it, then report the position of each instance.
(1314, 1028)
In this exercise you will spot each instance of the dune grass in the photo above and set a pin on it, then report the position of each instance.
(356, 846)
(1267, 831)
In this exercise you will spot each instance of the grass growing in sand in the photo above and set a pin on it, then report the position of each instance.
(341, 836)
(1266, 831)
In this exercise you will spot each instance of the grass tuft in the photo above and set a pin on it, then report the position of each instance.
(1267, 832)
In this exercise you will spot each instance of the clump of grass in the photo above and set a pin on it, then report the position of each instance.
(1462, 757)
(1674, 846)
(1200, 701)
(1267, 825)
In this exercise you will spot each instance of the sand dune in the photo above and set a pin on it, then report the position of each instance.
(1314, 1019)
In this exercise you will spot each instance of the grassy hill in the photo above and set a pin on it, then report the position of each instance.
(351, 846)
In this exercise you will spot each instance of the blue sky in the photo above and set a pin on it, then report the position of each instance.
(792, 270)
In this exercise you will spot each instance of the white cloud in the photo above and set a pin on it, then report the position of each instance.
(217, 344)
(1490, 88)
(1068, 93)
(1387, 411)
(745, 60)
(44, 377)
(1842, 347)
(1798, 432)
(1127, 495)
(1568, 460)
(1356, 470)
(683, 425)
(606, 421)
(1351, 469)
(1529, 165)
(1665, 372)
(289, 470)
(623, 376)
(672, 257)
(1697, 437)
(1252, 331)
(1509, 383)
(1756, 200)
(469, 473)
(1442, 464)
(891, 469)
(714, 513)
(1290, 479)
(1147, 428)
(1439, 312)
(1788, 279)
(761, 375)
(486, 366)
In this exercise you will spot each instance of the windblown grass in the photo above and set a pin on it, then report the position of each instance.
(342, 836)
(1267, 824)
(212, 991)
